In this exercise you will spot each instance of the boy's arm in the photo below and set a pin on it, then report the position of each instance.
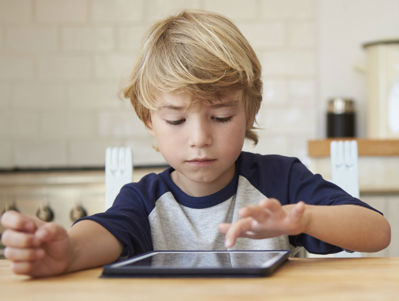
(42, 249)
(92, 245)
(350, 227)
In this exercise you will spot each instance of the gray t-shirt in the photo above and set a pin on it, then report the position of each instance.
(155, 214)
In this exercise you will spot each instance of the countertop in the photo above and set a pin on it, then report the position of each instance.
(298, 279)
(366, 147)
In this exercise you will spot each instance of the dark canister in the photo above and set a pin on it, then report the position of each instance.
(341, 118)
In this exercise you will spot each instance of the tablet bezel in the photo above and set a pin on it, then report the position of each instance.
(120, 269)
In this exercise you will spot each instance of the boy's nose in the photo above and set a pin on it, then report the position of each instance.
(200, 134)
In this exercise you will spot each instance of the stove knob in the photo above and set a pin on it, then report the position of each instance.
(45, 213)
(77, 212)
(13, 207)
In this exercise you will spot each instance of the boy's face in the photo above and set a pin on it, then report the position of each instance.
(201, 141)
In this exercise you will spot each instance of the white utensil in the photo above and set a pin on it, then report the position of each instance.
(344, 166)
(118, 171)
(345, 174)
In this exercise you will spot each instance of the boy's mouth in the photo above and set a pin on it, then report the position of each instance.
(201, 161)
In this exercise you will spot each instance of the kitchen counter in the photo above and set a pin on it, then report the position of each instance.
(299, 279)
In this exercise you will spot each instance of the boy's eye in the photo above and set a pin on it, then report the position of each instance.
(176, 122)
(222, 119)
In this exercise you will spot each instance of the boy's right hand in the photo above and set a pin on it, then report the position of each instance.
(34, 247)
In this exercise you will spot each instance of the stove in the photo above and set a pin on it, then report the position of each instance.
(57, 196)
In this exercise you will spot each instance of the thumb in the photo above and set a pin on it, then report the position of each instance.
(50, 232)
(297, 213)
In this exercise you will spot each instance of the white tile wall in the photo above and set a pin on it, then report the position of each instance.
(63, 62)
(61, 11)
(85, 39)
(16, 11)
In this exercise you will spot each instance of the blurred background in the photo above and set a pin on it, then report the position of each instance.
(63, 63)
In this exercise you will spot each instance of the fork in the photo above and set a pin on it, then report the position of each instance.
(344, 166)
(118, 171)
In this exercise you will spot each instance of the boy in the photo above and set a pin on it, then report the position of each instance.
(197, 88)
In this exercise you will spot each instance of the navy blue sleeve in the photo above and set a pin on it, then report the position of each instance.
(127, 220)
(311, 188)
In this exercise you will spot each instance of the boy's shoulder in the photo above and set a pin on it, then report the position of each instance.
(149, 187)
(271, 174)
(249, 160)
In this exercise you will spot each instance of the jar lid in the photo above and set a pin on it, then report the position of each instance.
(340, 105)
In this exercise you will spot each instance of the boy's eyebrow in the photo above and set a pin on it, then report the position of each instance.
(230, 103)
(171, 107)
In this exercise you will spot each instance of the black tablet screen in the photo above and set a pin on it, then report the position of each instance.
(207, 259)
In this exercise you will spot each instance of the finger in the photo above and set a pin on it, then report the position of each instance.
(48, 232)
(224, 227)
(15, 239)
(22, 267)
(257, 212)
(236, 230)
(19, 222)
(298, 211)
(271, 204)
(16, 254)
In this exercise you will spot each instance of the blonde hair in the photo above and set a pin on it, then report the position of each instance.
(199, 53)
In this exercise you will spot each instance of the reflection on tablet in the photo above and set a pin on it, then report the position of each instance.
(207, 260)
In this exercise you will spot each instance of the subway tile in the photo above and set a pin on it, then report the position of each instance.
(302, 92)
(157, 9)
(113, 66)
(275, 91)
(289, 120)
(31, 39)
(264, 35)
(143, 150)
(61, 11)
(40, 153)
(302, 35)
(5, 95)
(68, 124)
(15, 11)
(234, 9)
(268, 144)
(99, 95)
(6, 154)
(288, 9)
(25, 123)
(87, 49)
(117, 11)
(16, 68)
(92, 39)
(297, 145)
(38, 96)
(120, 124)
(286, 62)
(64, 67)
(89, 151)
(5, 123)
(130, 37)
(2, 38)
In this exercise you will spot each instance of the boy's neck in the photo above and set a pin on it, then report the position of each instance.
(200, 189)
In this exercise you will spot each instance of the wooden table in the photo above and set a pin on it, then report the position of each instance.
(299, 279)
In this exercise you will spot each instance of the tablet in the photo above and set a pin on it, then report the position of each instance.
(257, 263)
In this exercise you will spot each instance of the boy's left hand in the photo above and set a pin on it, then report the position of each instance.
(267, 219)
